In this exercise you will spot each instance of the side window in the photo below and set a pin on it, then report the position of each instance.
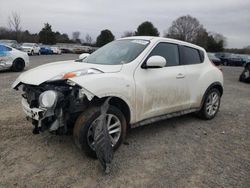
(169, 51)
(4, 48)
(7, 48)
(1, 48)
(191, 56)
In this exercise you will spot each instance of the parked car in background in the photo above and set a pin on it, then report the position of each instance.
(66, 50)
(11, 58)
(56, 50)
(245, 58)
(45, 50)
(11, 43)
(141, 76)
(31, 48)
(235, 60)
(224, 57)
(80, 50)
(214, 59)
(229, 59)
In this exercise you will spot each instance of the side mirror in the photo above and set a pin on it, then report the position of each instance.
(156, 62)
(84, 55)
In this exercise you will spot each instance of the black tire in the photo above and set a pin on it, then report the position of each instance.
(32, 53)
(203, 113)
(84, 122)
(18, 65)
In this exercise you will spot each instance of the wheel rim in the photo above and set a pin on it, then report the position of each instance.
(19, 65)
(212, 103)
(114, 128)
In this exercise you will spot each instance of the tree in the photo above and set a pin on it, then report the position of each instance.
(214, 45)
(46, 35)
(185, 28)
(219, 38)
(105, 37)
(128, 34)
(14, 22)
(62, 38)
(76, 36)
(147, 29)
(88, 39)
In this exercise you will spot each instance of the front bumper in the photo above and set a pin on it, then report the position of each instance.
(27, 50)
(33, 113)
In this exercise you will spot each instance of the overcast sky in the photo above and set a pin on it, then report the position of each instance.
(228, 17)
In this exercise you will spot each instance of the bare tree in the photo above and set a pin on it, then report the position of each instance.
(14, 22)
(88, 39)
(128, 34)
(220, 38)
(185, 28)
(75, 35)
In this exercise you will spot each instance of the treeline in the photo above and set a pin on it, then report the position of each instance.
(185, 28)
(245, 50)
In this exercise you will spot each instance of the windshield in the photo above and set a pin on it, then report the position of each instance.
(117, 52)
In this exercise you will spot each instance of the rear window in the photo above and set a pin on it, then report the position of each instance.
(192, 56)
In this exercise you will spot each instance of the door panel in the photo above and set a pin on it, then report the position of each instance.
(161, 90)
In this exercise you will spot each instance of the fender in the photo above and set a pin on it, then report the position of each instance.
(109, 84)
(215, 84)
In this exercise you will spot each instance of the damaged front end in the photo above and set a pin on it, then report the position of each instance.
(53, 106)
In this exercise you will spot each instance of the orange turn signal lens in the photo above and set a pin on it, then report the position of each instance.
(69, 75)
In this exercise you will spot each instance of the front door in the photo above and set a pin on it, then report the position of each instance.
(161, 90)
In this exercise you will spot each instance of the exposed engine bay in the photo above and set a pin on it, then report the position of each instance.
(53, 106)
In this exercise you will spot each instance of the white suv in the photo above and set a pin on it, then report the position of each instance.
(148, 79)
(31, 48)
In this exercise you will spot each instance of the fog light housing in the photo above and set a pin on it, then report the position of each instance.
(48, 98)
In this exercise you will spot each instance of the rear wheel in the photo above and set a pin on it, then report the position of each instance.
(18, 65)
(84, 129)
(210, 105)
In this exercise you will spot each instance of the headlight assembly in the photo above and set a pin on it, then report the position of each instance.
(47, 99)
(76, 74)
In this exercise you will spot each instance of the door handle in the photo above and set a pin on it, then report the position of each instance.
(180, 75)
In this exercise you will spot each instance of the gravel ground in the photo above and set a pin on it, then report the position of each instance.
(179, 152)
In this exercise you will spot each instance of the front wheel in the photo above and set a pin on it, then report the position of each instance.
(210, 105)
(84, 133)
(18, 65)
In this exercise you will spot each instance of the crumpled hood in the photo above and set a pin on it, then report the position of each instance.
(48, 71)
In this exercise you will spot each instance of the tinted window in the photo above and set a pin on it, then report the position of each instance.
(191, 56)
(4, 48)
(169, 51)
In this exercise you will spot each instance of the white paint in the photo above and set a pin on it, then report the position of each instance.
(147, 92)
(9, 58)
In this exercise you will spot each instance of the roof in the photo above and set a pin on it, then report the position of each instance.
(163, 39)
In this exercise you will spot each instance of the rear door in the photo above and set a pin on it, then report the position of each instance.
(193, 59)
(161, 90)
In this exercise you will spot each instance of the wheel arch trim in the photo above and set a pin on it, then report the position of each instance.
(217, 85)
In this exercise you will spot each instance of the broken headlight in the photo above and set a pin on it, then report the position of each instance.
(47, 99)
(76, 74)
